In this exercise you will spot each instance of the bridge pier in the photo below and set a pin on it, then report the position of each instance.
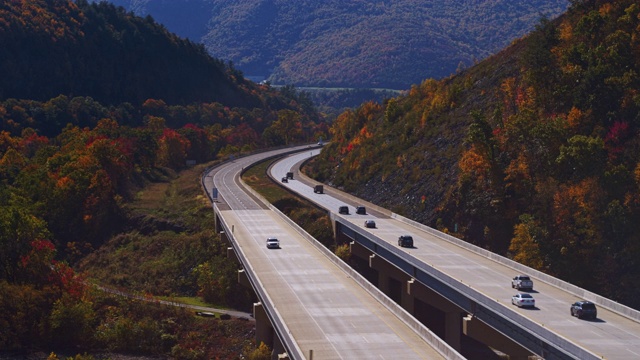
(440, 315)
(430, 308)
(243, 279)
(264, 330)
(478, 330)
(266, 334)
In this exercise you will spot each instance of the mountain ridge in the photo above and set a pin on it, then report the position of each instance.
(372, 44)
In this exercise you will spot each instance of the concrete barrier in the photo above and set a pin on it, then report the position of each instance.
(536, 274)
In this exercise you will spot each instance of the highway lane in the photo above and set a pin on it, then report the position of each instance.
(611, 336)
(324, 309)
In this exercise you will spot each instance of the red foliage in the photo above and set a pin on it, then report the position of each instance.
(241, 135)
(66, 279)
(615, 138)
(30, 144)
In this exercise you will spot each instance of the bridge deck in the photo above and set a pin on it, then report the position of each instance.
(325, 310)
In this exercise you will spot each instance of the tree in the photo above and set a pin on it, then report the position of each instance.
(287, 128)
(18, 229)
(583, 156)
(525, 246)
(172, 149)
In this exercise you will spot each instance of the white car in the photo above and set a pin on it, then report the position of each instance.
(273, 243)
(523, 300)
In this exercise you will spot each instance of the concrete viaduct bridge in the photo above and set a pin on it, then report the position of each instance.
(447, 287)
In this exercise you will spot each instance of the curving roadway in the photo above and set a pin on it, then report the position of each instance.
(611, 336)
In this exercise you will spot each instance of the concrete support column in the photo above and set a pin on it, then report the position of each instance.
(278, 352)
(243, 279)
(224, 237)
(383, 276)
(217, 224)
(231, 254)
(407, 302)
(482, 332)
(264, 331)
(453, 329)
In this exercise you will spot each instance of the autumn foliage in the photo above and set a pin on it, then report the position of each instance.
(80, 136)
(533, 153)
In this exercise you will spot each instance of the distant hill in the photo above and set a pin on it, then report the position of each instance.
(533, 153)
(53, 47)
(372, 44)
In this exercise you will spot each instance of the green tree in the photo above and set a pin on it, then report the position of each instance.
(583, 156)
(18, 228)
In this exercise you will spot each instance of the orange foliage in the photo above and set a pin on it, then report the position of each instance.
(605, 9)
(566, 31)
(474, 164)
(518, 169)
(576, 205)
(575, 118)
(64, 183)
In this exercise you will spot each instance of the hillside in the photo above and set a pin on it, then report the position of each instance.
(533, 153)
(99, 107)
(371, 44)
(97, 51)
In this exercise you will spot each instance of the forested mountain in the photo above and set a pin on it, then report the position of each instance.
(533, 153)
(370, 43)
(101, 53)
(96, 103)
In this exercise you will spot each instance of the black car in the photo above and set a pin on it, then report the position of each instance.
(405, 241)
(361, 210)
(369, 224)
(285, 180)
(343, 210)
(584, 309)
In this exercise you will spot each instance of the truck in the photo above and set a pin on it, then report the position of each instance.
(318, 189)
(522, 282)
(290, 175)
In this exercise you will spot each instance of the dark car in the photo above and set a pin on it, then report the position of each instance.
(584, 309)
(405, 241)
(343, 210)
(361, 210)
(285, 180)
(369, 224)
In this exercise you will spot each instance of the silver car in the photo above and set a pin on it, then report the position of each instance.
(523, 300)
(273, 243)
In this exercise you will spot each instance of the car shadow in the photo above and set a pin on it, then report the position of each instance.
(530, 291)
(596, 320)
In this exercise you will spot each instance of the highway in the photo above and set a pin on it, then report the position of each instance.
(610, 336)
(325, 311)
